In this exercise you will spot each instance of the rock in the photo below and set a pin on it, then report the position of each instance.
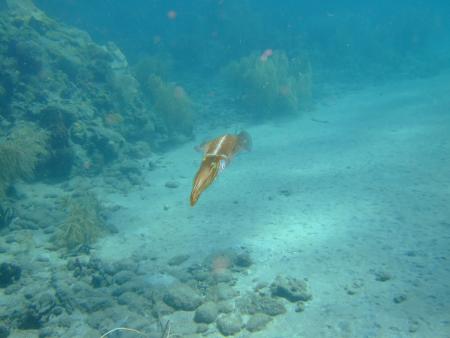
(172, 184)
(201, 328)
(400, 299)
(91, 300)
(163, 309)
(28, 55)
(95, 303)
(4, 331)
(100, 280)
(243, 260)
(206, 313)
(178, 260)
(290, 288)
(123, 277)
(133, 301)
(182, 297)
(9, 273)
(126, 264)
(200, 275)
(224, 292)
(225, 276)
(225, 306)
(257, 322)
(270, 306)
(252, 304)
(47, 332)
(229, 324)
(36, 311)
(382, 276)
(46, 302)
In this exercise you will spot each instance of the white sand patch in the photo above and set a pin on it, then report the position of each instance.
(360, 185)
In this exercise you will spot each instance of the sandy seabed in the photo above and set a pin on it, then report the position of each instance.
(354, 196)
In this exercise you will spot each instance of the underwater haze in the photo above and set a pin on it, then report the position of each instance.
(224, 168)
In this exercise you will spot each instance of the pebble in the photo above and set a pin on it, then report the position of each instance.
(229, 324)
(172, 184)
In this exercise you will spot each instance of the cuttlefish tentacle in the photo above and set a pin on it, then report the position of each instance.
(217, 154)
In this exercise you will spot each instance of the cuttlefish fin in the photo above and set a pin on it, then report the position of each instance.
(245, 141)
(203, 147)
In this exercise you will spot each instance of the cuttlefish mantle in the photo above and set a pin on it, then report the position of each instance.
(217, 154)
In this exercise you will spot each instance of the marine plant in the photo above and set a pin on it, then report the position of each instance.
(270, 83)
(20, 151)
(83, 223)
(6, 216)
(159, 65)
(172, 104)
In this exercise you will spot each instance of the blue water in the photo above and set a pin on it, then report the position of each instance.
(380, 39)
(321, 129)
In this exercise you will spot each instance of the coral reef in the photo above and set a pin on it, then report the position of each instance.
(84, 95)
(272, 84)
(83, 224)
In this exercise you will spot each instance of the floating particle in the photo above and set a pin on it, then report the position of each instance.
(172, 15)
(266, 54)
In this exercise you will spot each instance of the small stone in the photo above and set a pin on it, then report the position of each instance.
(270, 306)
(123, 276)
(229, 324)
(399, 299)
(243, 260)
(413, 326)
(10, 239)
(182, 297)
(225, 292)
(178, 260)
(202, 328)
(4, 331)
(46, 332)
(172, 184)
(257, 322)
(252, 303)
(225, 276)
(350, 291)
(291, 289)
(163, 308)
(382, 276)
(9, 273)
(225, 307)
(206, 313)
(285, 192)
(300, 306)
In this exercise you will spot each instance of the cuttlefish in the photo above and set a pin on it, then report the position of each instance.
(217, 154)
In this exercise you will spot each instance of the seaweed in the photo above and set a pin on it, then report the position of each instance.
(159, 65)
(270, 84)
(20, 152)
(83, 224)
(172, 104)
(6, 216)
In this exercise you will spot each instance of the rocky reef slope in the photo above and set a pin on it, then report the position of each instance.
(82, 95)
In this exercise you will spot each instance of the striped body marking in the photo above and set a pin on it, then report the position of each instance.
(215, 151)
